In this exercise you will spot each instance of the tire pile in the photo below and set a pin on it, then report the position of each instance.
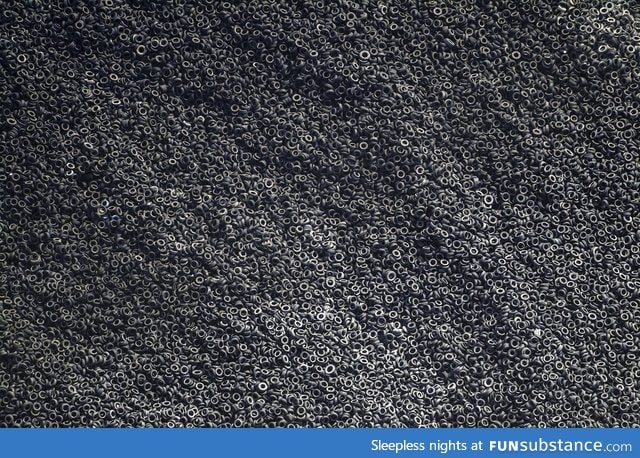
(352, 213)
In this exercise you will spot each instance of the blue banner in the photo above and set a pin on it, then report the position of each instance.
(310, 443)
